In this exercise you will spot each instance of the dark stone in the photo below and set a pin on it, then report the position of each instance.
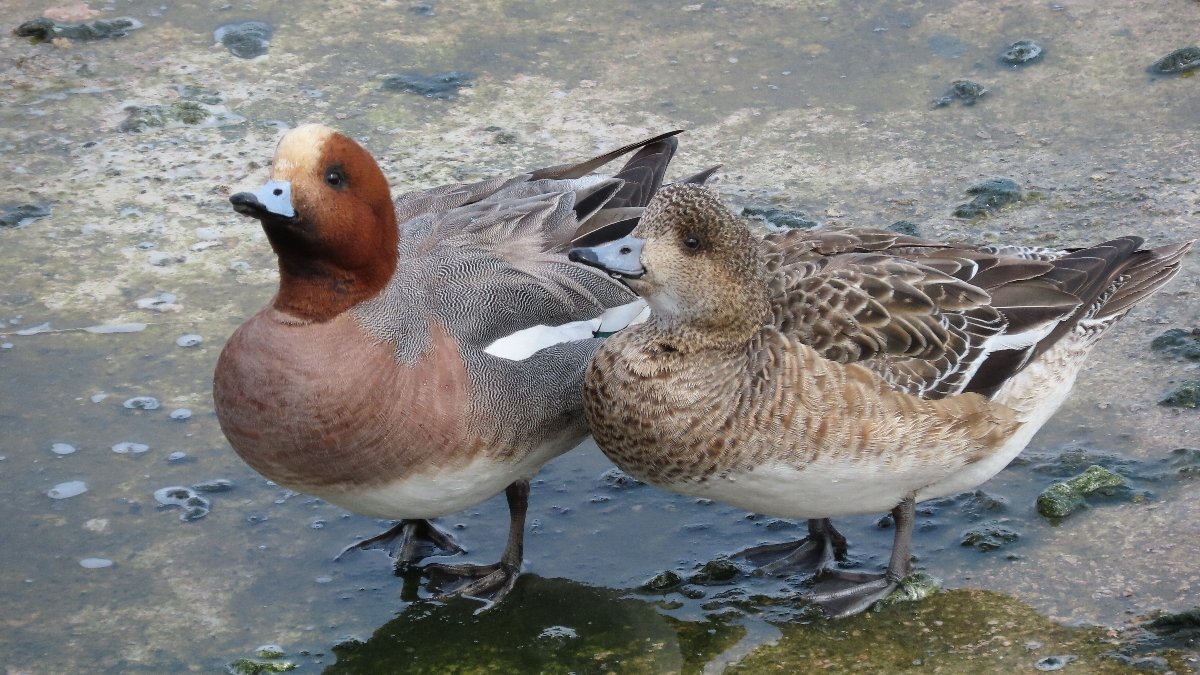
(792, 220)
(245, 39)
(142, 118)
(1178, 61)
(717, 571)
(443, 85)
(1178, 342)
(422, 9)
(904, 227)
(1022, 52)
(662, 582)
(990, 536)
(990, 196)
(42, 29)
(1186, 395)
(13, 215)
(966, 91)
(1183, 462)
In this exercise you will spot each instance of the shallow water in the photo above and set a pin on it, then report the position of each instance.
(816, 106)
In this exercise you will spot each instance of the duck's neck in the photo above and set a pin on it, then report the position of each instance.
(726, 332)
(318, 287)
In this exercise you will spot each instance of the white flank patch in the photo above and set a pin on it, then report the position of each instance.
(828, 487)
(441, 491)
(528, 341)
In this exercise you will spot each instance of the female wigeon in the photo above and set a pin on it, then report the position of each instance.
(425, 354)
(824, 373)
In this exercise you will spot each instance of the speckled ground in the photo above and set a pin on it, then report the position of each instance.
(815, 106)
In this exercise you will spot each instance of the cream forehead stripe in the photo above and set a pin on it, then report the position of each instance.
(299, 148)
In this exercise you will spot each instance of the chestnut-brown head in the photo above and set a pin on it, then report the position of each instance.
(328, 213)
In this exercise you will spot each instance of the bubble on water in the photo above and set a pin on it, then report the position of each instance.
(176, 495)
(6, 345)
(317, 524)
(62, 448)
(176, 456)
(99, 396)
(142, 403)
(195, 506)
(95, 563)
(71, 488)
(181, 414)
(109, 328)
(324, 579)
(130, 447)
(189, 340)
(558, 633)
(163, 302)
(214, 485)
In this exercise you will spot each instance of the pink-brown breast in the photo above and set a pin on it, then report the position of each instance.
(319, 406)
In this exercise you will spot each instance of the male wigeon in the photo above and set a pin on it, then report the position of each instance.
(424, 354)
(823, 373)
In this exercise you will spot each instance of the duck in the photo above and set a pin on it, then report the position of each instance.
(426, 352)
(813, 374)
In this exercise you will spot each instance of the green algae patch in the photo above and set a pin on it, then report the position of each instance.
(1062, 499)
(958, 631)
(259, 667)
(1186, 395)
(545, 626)
(989, 197)
(913, 588)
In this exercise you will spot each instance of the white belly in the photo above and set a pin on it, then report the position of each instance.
(441, 492)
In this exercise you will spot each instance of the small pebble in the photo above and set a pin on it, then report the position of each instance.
(189, 340)
(181, 414)
(176, 456)
(62, 448)
(96, 398)
(129, 447)
(142, 403)
(71, 488)
(1022, 52)
(95, 563)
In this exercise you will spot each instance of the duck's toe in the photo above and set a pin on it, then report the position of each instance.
(488, 584)
(818, 551)
(409, 541)
(840, 593)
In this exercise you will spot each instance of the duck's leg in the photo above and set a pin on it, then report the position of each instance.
(408, 541)
(818, 551)
(841, 593)
(490, 583)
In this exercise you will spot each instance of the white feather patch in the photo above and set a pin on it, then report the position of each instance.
(528, 341)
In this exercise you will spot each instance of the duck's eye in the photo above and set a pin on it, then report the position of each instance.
(335, 178)
(692, 243)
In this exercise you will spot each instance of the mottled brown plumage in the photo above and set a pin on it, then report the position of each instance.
(823, 373)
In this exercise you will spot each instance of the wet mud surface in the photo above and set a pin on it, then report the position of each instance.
(123, 269)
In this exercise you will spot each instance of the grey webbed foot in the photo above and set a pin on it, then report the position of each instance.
(408, 542)
(487, 583)
(818, 551)
(842, 593)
